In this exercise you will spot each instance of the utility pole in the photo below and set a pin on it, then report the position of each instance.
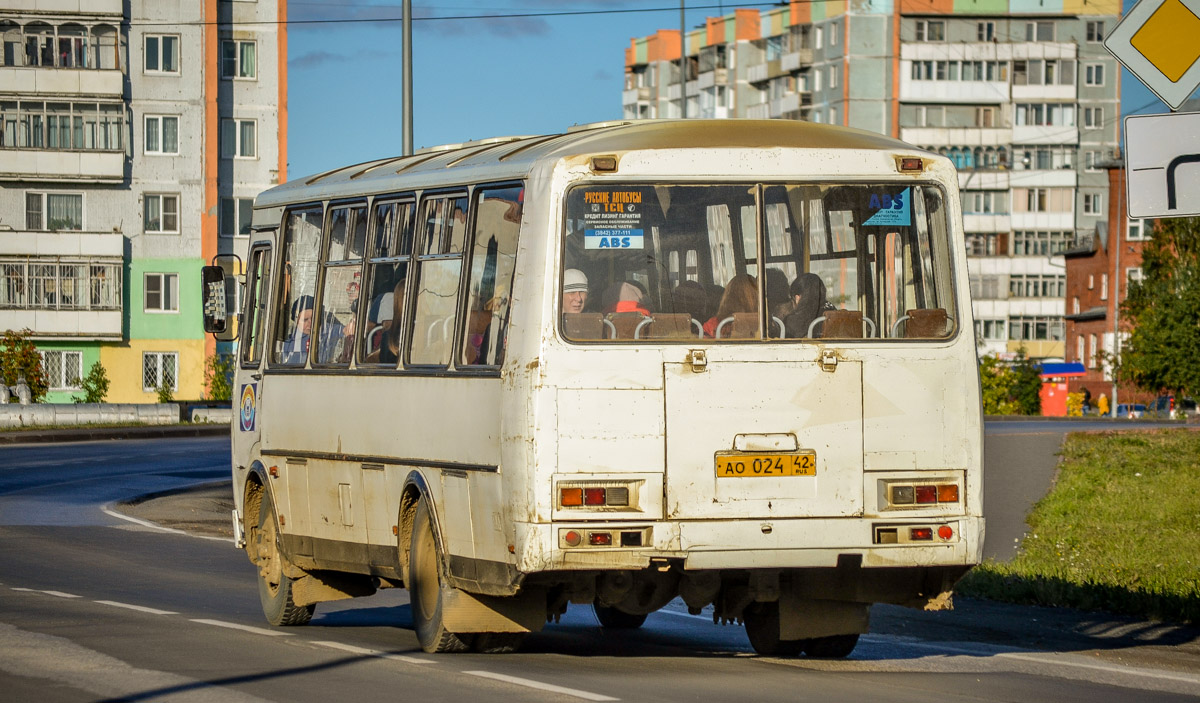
(407, 82)
(1121, 223)
(682, 63)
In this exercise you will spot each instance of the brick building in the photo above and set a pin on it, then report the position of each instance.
(1100, 265)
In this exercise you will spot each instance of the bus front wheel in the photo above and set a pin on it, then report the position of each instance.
(275, 586)
(425, 588)
(613, 619)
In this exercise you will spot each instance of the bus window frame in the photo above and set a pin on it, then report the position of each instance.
(411, 198)
(862, 257)
(325, 264)
(465, 282)
(419, 241)
(250, 300)
(281, 291)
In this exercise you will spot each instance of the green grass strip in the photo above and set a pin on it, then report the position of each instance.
(1120, 531)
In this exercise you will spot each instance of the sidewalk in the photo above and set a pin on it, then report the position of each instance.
(91, 434)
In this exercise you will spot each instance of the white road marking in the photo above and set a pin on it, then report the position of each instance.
(146, 523)
(528, 683)
(139, 608)
(57, 594)
(244, 628)
(373, 653)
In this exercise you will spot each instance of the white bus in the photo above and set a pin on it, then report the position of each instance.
(726, 361)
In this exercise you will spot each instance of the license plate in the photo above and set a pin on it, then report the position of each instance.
(740, 465)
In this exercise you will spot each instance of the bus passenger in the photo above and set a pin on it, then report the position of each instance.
(626, 296)
(575, 291)
(807, 303)
(741, 295)
(295, 351)
(389, 351)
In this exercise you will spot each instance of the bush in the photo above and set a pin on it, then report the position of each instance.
(94, 385)
(218, 377)
(165, 393)
(19, 357)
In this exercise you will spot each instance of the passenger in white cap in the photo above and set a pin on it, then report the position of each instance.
(575, 291)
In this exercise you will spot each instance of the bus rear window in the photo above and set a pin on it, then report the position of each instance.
(726, 262)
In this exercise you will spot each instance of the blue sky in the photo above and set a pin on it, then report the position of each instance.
(473, 79)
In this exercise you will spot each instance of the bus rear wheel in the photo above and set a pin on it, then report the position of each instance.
(425, 588)
(832, 647)
(275, 586)
(762, 628)
(613, 619)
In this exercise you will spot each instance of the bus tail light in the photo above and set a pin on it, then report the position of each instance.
(920, 534)
(900, 496)
(597, 496)
(600, 539)
(910, 534)
(945, 532)
(608, 537)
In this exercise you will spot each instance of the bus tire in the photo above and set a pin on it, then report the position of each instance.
(613, 619)
(832, 647)
(425, 588)
(762, 628)
(275, 586)
(498, 642)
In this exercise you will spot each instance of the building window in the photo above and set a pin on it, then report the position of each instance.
(160, 369)
(819, 38)
(1080, 350)
(54, 212)
(1040, 243)
(1093, 74)
(162, 134)
(982, 244)
(835, 75)
(931, 30)
(1133, 275)
(239, 59)
(1035, 328)
(1091, 281)
(162, 53)
(235, 217)
(162, 292)
(1091, 158)
(1093, 357)
(1093, 203)
(161, 213)
(834, 31)
(79, 126)
(1095, 31)
(1036, 286)
(1104, 286)
(63, 369)
(985, 287)
(1137, 231)
(985, 31)
(1075, 305)
(238, 139)
(1093, 117)
(1039, 31)
(985, 117)
(992, 330)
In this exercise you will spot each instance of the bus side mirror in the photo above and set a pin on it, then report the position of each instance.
(216, 316)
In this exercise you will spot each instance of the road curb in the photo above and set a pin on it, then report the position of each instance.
(90, 434)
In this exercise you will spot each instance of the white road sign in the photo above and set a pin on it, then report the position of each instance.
(1162, 165)
(1159, 42)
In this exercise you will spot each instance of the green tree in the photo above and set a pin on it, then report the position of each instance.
(19, 356)
(94, 385)
(1010, 389)
(218, 377)
(1163, 312)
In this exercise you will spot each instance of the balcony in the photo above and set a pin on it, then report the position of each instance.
(1043, 220)
(761, 111)
(717, 76)
(787, 103)
(957, 136)
(764, 71)
(65, 82)
(63, 285)
(978, 92)
(792, 61)
(986, 222)
(74, 7)
(1045, 134)
(47, 165)
(1043, 92)
(1065, 177)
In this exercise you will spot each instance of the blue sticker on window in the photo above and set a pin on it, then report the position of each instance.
(891, 209)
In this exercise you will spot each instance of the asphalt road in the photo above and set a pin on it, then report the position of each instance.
(95, 607)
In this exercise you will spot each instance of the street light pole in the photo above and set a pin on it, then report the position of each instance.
(407, 82)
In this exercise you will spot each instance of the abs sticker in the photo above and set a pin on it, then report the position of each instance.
(612, 219)
(249, 400)
(890, 209)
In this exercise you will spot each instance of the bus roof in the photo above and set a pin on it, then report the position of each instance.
(503, 158)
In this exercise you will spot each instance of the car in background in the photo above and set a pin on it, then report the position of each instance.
(1166, 406)
(1131, 410)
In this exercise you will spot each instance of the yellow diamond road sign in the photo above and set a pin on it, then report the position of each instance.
(1159, 42)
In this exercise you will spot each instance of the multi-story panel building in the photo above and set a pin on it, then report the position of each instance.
(1021, 96)
(134, 136)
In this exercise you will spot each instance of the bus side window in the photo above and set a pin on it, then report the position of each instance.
(443, 224)
(294, 316)
(257, 284)
(493, 258)
(387, 275)
(343, 279)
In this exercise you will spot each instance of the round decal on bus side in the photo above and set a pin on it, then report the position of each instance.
(249, 398)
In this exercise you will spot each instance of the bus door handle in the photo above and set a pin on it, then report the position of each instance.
(698, 359)
(257, 376)
(829, 361)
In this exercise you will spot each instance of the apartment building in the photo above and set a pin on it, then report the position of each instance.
(1021, 95)
(135, 135)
